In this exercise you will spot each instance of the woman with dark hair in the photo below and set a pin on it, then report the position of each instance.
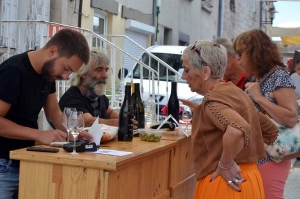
(227, 135)
(273, 93)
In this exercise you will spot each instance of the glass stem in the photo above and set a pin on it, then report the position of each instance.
(186, 126)
(68, 133)
(74, 147)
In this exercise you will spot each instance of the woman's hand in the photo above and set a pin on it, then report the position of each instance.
(253, 90)
(231, 174)
(188, 103)
(233, 143)
(285, 110)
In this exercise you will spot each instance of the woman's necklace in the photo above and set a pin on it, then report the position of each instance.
(212, 87)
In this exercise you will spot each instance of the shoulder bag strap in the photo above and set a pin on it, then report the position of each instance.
(266, 77)
(270, 73)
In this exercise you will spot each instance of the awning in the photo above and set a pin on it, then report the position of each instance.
(293, 40)
(289, 36)
(283, 32)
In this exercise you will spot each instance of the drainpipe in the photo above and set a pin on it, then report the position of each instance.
(220, 18)
(79, 15)
(153, 37)
(260, 15)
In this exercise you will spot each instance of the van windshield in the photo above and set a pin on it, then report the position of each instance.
(174, 60)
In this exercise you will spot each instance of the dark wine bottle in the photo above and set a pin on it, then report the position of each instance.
(139, 111)
(125, 129)
(173, 103)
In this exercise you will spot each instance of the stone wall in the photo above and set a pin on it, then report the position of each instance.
(64, 12)
(245, 17)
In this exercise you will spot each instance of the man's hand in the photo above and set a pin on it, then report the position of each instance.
(84, 135)
(135, 124)
(47, 137)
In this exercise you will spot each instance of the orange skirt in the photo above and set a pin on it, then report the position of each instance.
(219, 189)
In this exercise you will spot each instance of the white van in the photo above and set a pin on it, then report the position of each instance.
(172, 56)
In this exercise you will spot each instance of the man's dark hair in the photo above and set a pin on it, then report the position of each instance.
(297, 61)
(70, 42)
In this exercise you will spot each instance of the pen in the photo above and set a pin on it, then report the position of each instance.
(51, 124)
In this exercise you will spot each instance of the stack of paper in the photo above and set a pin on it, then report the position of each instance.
(112, 152)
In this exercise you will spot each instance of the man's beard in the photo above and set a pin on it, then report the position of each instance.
(96, 86)
(48, 71)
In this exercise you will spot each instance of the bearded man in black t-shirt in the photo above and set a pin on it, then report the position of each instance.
(27, 84)
(87, 91)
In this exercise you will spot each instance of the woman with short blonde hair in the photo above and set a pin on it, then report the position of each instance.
(227, 138)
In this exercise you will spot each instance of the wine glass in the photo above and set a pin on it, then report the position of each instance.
(186, 116)
(64, 119)
(76, 124)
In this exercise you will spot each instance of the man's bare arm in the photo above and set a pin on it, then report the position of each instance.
(12, 130)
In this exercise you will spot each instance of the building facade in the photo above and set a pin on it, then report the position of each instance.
(122, 22)
(14, 38)
(148, 22)
(162, 22)
(128, 24)
(239, 16)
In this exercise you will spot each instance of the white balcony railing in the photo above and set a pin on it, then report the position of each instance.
(21, 35)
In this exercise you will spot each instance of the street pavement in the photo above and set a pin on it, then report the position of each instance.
(292, 187)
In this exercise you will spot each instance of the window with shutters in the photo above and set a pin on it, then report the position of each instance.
(207, 5)
(232, 5)
(132, 49)
(174, 60)
(99, 27)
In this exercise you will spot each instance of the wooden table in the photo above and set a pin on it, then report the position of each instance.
(158, 170)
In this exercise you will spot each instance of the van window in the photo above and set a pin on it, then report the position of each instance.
(174, 60)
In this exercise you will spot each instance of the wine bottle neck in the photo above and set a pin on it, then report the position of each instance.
(133, 88)
(174, 88)
(127, 91)
(137, 89)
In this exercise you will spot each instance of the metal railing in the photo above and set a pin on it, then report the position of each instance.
(24, 35)
(151, 56)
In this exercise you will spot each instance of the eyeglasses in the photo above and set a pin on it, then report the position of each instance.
(95, 106)
(239, 52)
(193, 48)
